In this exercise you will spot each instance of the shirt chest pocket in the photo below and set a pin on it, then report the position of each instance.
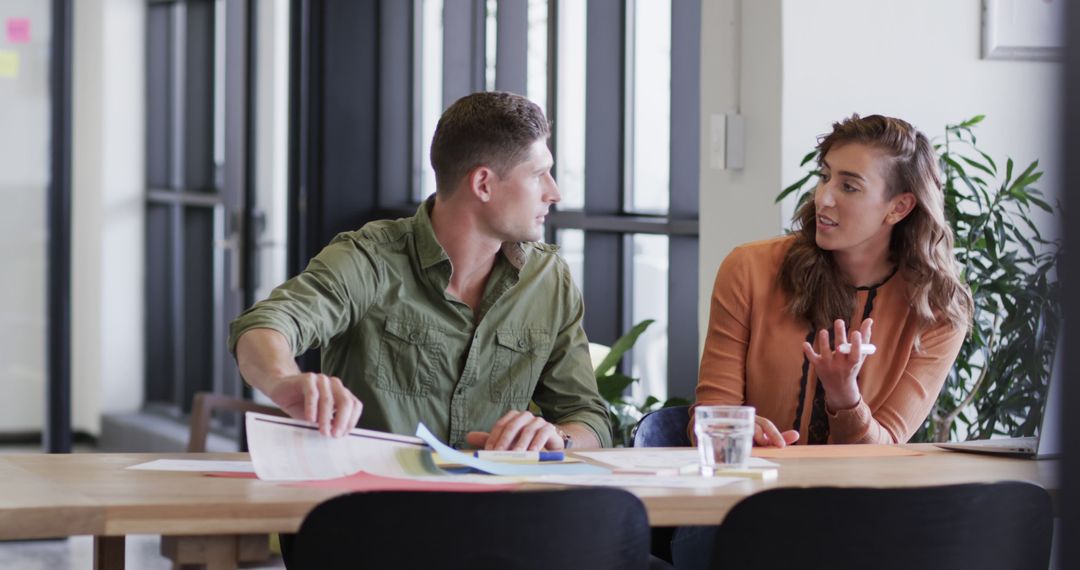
(407, 353)
(520, 356)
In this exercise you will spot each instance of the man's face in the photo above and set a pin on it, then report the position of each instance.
(520, 200)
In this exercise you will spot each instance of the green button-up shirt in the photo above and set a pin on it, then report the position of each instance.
(375, 301)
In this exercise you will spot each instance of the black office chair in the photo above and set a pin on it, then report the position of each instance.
(594, 528)
(665, 427)
(987, 526)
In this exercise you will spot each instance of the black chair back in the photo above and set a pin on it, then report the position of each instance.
(594, 528)
(986, 526)
(665, 427)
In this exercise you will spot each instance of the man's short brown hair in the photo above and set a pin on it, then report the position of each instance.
(489, 128)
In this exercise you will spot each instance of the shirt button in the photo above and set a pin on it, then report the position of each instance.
(521, 344)
(414, 336)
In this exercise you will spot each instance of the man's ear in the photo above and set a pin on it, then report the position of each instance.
(481, 180)
(902, 206)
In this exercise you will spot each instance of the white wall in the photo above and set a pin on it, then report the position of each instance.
(107, 210)
(807, 64)
(741, 71)
(924, 67)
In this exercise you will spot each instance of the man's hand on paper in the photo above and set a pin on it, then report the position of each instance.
(519, 431)
(266, 362)
(318, 398)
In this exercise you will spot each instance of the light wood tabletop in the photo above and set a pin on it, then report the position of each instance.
(94, 494)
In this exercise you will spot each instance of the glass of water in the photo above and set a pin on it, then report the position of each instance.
(725, 435)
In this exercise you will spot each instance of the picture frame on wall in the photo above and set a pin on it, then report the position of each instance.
(1023, 29)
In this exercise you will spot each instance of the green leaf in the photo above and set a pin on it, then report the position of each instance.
(975, 164)
(972, 121)
(794, 187)
(1041, 204)
(625, 342)
(993, 165)
(1026, 175)
(809, 156)
(613, 385)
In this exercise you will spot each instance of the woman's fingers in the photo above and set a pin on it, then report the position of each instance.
(841, 331)
(823, 347)
(856, 354)
(770, 435)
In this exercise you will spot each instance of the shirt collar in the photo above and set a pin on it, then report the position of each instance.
(431, 252)
(428, 249)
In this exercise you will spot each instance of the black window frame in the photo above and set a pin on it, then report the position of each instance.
(608, 225)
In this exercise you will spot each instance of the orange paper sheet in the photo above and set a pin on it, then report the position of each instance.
(832, 451)
(361, 481)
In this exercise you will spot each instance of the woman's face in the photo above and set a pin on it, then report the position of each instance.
(853, 214)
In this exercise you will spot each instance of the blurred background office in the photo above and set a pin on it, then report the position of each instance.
(166, 162)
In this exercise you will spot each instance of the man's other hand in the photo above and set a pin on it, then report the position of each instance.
(517, 431)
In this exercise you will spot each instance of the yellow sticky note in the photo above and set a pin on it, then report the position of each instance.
(9, 63)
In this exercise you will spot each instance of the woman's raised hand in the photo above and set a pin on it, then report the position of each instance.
(838, 371)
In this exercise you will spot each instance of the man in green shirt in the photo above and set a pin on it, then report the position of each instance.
(456, 317)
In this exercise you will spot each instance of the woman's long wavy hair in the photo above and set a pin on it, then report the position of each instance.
(921, 244)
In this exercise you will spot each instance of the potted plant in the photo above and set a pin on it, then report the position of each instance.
(1000, 377)
(613, 385)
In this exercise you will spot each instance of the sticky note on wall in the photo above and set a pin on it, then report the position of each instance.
(18, 30)
(9, 63)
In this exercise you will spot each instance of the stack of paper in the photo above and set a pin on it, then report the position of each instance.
(284, 449)
(669, 462)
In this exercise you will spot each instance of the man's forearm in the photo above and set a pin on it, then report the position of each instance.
(263, 356)
(581, 435)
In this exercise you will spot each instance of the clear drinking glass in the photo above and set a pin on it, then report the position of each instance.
(725, 435)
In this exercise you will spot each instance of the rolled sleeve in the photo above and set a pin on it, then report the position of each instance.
(567, 392)
(312, 308)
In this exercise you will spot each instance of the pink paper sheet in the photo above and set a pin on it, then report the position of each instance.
(361, 481)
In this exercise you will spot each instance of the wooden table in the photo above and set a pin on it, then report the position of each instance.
(217, 520)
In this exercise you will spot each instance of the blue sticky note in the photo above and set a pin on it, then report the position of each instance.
(503, 468)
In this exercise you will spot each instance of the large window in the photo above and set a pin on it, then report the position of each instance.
(198, 196)
(626, 75)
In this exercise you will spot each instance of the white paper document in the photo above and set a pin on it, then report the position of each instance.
(201, 465)
(504, 468)
(657, 459)
(630, 481)
(284, 449)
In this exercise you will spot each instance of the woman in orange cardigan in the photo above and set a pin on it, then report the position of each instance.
(871, 260)
(871, 249)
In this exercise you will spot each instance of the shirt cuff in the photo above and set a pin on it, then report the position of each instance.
(590, 421)
(851, 425)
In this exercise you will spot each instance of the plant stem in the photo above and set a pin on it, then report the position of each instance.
(944, 424)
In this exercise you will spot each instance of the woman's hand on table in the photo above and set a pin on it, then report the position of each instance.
(766, 434)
